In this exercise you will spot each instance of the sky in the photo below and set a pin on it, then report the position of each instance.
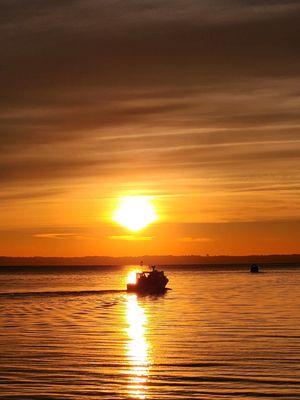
(194, 104)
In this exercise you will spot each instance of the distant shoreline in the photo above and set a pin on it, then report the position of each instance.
(192, 260)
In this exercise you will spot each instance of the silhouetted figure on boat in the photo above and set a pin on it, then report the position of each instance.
(149, 282)
(254, 269)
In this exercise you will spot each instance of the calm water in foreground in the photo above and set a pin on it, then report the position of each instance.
(216, 335)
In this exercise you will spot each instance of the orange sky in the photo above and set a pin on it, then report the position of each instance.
(192, 103)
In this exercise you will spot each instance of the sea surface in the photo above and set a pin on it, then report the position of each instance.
(75, 334)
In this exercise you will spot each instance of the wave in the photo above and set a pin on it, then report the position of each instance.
(59, 293)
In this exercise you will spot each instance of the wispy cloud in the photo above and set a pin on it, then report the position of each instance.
(130, 237)
(86, 101)
(195, 239)
(60, 236)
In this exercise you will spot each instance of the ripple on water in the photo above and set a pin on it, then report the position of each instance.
(214, 336)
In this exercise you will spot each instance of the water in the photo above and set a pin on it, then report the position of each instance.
(216, 335)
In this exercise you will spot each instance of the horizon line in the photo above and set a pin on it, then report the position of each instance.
(162, 255)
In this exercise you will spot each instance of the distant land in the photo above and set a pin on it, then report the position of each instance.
(155, 259)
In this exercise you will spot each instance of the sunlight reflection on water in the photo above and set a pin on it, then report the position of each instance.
(215, 335)
(137, 348)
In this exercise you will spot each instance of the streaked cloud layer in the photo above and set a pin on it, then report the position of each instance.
(196, 103)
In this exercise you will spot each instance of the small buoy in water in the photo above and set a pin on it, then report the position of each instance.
(254, 268)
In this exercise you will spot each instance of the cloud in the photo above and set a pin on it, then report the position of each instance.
(196, 239)
(79, 45)
(131, 237)
(60, 236)
(13, 195)
(183, 96)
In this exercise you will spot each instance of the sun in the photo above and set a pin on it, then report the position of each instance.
(135, 212)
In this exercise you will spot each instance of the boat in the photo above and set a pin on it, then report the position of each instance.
(254, 269)
(149, 282)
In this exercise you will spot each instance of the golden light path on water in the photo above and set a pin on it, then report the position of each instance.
(137, 348)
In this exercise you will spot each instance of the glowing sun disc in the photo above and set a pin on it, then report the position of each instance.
(135, 213)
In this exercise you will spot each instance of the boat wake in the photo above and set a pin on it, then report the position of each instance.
(58, 293)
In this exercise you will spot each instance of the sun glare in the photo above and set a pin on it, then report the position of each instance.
(137, 349)
(131, 278)
(135, 212)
